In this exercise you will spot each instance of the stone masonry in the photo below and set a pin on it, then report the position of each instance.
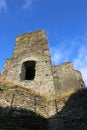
(66, 78)
(30, 67)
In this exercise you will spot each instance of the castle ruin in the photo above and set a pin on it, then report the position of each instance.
(30, 67)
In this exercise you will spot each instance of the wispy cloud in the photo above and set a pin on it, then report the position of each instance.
(3, 5)
(81, 62)
(74, 51)
(62, 52)
(58, 55)
(28, 4)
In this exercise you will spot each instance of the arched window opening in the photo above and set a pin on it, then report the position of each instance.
(28, 70)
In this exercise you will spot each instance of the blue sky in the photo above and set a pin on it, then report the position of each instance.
(65, 22)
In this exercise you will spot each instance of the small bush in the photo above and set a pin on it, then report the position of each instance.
(2, 87)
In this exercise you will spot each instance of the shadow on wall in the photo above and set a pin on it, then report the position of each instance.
(21, 119)
(73, 116)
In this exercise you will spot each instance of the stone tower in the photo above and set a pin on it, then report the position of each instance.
(30, 65)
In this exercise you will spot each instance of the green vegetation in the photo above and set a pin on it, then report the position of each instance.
(3, 87)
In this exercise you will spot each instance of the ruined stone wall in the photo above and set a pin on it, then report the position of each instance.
(66, 78)
(70, 110)
(72, 113)
(32, 53)
(16, 98)
(31, 47)
(47, 79)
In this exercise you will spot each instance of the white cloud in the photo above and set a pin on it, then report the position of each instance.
(80, 62)
(3, 5)
(62, 52)
(56, 55)
(74, 51)
(28, 4)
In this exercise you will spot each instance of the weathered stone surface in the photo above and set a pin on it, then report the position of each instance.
(23, 99)
(30, 67)
(21, 119)
(73, 113)
(66, 78)
(31, 47)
